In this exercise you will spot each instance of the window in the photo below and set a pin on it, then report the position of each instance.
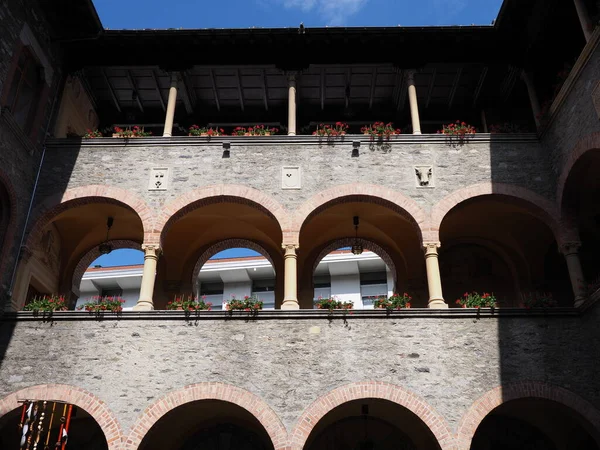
(264, 290)
(372, 285)
(112, 292)
(24, 90)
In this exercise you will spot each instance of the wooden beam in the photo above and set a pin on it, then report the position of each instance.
(239, 85)
(373, 83)
(135, 93)
(157, 88)
(454, 87)
(479, 87)
(187, 94)
(323, 88)
(111, 90)
(431, 83)
(214, 86)
(264, 86)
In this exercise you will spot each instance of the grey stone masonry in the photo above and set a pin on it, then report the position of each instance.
(290, 361)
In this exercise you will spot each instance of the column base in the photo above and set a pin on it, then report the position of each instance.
(292, 134)
(290, 304)
(437, 303)
(579, 301)
(144, 305)
(416, 132)
(167, 135)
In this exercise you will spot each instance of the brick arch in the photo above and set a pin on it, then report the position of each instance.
(403, 205)
(209, 391)
(11, 225)
(590, 142)
(525, 389)
(376, 390)
(73, 395)
(197, 198)
(369, 245)
(90, 256)
(226, 245)
(84, 195)
(542, 208)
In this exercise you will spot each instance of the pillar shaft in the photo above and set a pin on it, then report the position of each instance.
(434, 279)
(290, 288)
(533, 98)
(292, 105)
(584, 19)
(571, 253)
(168, 131)
(145, 302)
(412, 100)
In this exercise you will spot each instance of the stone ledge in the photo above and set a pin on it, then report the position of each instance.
(453, 313)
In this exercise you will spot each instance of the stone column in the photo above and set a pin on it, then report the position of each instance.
(533, 98)
(291, 104)
(171, 105)
(434, 280)
(145, 302)
(571, 252)
(584, 19)
(290, 287)
(412, 99)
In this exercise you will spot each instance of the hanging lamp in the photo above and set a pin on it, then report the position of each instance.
(105, 248)
(357, 248)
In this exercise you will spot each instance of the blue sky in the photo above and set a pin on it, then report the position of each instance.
(289, 13)
(127, 257)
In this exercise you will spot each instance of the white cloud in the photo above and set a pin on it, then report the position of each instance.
(334, 12)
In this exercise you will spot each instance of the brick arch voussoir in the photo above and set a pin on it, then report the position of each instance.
(192, 200)
(75, 396)
(209, 391)
(541, 207)
(376, 390)
(6, 244)
(585, 144)
(56, 204)
(524, 389)
(405, 205)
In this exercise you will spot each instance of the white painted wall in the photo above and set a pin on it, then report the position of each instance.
(346, 288)
(130, 296)
(239, 289)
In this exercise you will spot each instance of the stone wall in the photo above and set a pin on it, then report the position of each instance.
(288, 363)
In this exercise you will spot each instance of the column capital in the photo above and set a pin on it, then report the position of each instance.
(570, 248)
(290, 249)
(151, 249)
(410, 74)
(431, 247)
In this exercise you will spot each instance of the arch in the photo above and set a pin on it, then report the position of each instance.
(525, 389)
(370, 389)
(208, 391)
(191, 200)
(76, 396)
(545, 209)
(403, 205)
(10, 227)
(91, 255)
(226, 245)
(83, 195)
(590, 142)
(349, 242)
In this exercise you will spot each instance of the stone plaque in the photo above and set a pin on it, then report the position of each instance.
(291, 177)
(596, 98)
(159, 179)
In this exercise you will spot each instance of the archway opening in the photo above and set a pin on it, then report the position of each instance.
(371, 424)
(69, 237)
(84, 432)
(117, 274)
(236, 272)
(381, 224)
(534, 424)
(207, 425)
(200, 230)
(580, 202)
(501, 245)
(356, 278)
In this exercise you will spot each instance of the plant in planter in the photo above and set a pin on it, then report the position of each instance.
(261, 130)
(91, 134)
(380, 130)
(457, 129)
(249, 303)
(103, 304)
(329, 131)
(333, 303)
(134, 132)
(195, 130)
(538, 300)
(396, 301)
(475, 300)
(189, 303)
(47, 303)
